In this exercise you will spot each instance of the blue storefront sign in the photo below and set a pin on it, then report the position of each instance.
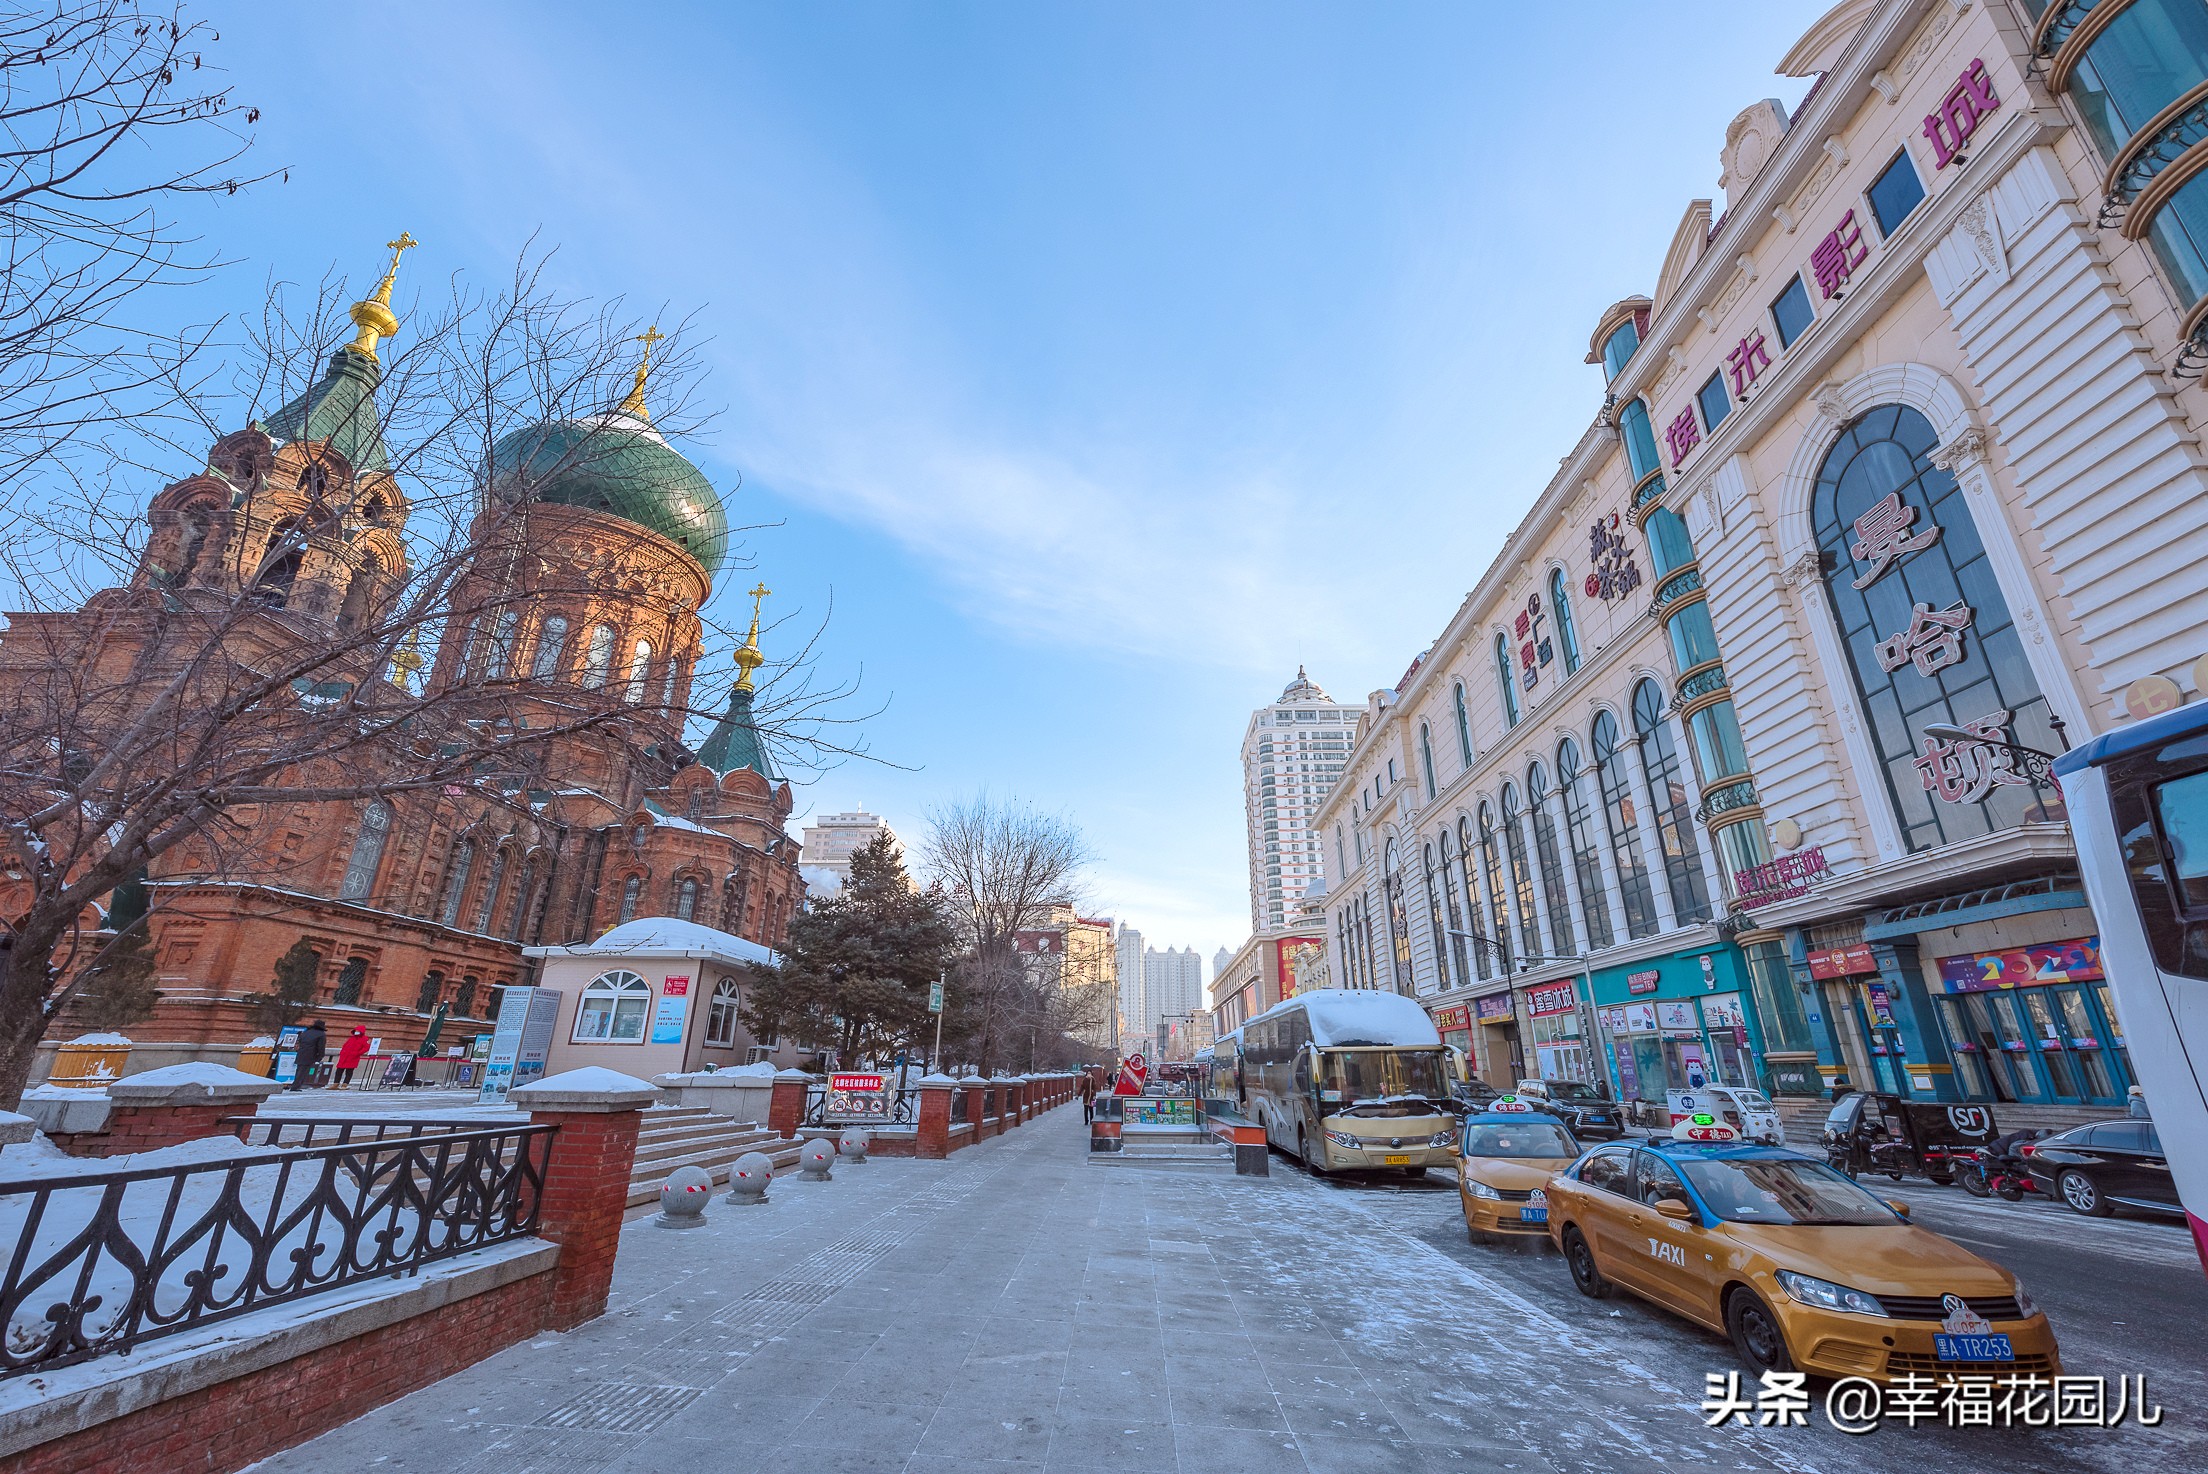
(1678, 1022)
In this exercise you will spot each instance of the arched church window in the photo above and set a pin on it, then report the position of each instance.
(432, 992)
(463, 1002)
(498, 662)
(598, 658)
(360, 868)
(551, 644)
(525, 896)
(631, 890)
(456, 882)
(612, 1009)
(1567, 636)
(720, 1014)
(686, 899)
(640, 669)
(488, 907)
(279, 565)
(349, 979)
(1928, 633)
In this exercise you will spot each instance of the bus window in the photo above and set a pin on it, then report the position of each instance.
(1362, 1074)
(2182, 806)
(2169, 873)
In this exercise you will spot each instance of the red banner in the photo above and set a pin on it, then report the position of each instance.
(1551, 998)
(1842, 962)
(1133, 1070)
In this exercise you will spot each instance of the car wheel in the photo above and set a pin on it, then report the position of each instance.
(1756, 1333)
(1973, 1178)
(2083, 1194)
(1941, 1179)
(1896, 1176)
(1580, 1259)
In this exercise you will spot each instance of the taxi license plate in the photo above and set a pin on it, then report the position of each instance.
(1396, 1161)
(1973, 1348)
(1533, 1215)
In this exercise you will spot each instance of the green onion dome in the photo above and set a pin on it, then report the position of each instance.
(615, 463)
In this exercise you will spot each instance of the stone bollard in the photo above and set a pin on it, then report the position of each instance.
(748, 1179)
(852, 1145)
(682, 1198)
(816, 1159)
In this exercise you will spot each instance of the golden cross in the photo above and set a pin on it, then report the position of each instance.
(651, 337)
(400, 247)
(757, 595)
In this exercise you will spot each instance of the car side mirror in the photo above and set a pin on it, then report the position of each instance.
(1898, 1206)
(1677, 1208)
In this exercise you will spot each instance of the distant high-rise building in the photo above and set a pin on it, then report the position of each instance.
(1292, 752)
(1172, 985)
(1132, 1030)
(829, 843)
(1220, 960)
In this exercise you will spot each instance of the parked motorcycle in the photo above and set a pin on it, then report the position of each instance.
(1999, 1169)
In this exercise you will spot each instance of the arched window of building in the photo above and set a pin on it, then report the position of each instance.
(457, 873)
(432, 992)
(1450, 880)
(720, 1014)
(1579, 838)
(1622, 821)
(686, 899)
(1567, 635)
(1667, 791)
(349, 980)
(1437, 934)
(551, 645)
(667, 687)
(492, 885)
(1927, 632)
(1503, 680)
(612, 1009)
(1399, 920)
(1498, 902)
(631, 890)
(1484, 962)
(1464, 728)
(1670, 546)
(598, 657)
(499, 659)
(360, 867)
(279, 564)
(1426, 758)
(1551, 860)
(1521, 875)
(525, 898)
(463, 1002)
(640, 670)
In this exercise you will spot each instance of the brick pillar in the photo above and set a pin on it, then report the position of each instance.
(975, 1089)
(586, 1185)
(933, 1139)
(1023, 1092)
(1008, 1103)
(786, 1111)
(170, 1106)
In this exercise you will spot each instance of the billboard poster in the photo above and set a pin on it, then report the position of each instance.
(1295, 957)
(1551, 998)
(858, 1098)
(1842, 962)
(2075, 961)
(520, 1041)
(1677, 1017)
(1643, 982)
(667, 1018)
(1495, 1008)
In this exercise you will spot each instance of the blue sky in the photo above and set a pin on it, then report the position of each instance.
(1101, 362)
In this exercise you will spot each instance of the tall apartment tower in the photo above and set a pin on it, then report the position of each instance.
(829, 843)
(1133, 1032)
(1292, 752)
(1173, 987)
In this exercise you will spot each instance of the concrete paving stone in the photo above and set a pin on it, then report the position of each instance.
(977, 1436)
(1129, 1400)
(1340, 1416)
(1116, 1444)
(1206, 1450)
(874, 1427)
(1323, 1379)
(915, 1383)
(1236, 1405)
(1328, 1455)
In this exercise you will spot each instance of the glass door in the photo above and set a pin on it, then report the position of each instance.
(1968, 1054)
(2046, 1036)
(2083, 1037)
(2006, 1050)
(2112, 1035)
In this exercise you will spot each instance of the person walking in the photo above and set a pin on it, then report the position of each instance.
(313, 1044)
(1088, 1096)
(348, 1056)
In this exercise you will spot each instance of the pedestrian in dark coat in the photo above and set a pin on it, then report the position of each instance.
(313, 1044)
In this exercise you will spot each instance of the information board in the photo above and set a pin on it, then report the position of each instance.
(858, 1098)
(1157, 1110)
(520, 1041)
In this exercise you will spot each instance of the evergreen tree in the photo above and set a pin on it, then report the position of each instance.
(297, 973)
(118, 989)
(857, 965)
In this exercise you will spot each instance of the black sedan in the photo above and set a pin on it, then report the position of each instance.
(2095, 1168)
(1588, 1112)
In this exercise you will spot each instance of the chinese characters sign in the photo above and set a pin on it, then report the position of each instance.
(857, 1098)
(1643, 982)
(1966, 105)
(1781, 879)
(1882, 535)
(1842, 962)
(1838, 254)
(2074, 961)
(1682, 435)
(1453, 1017)
(1614, 574)
(1748, 359)
(1551, 998)
(1932, 643)
(1965, 772)
(1534, 647)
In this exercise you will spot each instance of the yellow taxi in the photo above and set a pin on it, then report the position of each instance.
(1506, 1155)
(1801, 1267)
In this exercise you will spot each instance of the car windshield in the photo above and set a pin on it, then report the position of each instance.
(1752, 1100)
(1783, 1190)
(1519, 1139)
(1574, 1091)
(1373, 1074)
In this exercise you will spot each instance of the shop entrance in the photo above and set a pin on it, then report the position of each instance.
(2056, 1044)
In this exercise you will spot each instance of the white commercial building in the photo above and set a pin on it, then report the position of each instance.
(1292, 752)
(830, 842)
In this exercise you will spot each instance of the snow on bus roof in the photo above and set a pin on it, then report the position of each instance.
(1344, 1017)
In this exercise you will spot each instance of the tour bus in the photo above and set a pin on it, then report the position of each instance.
(1350, 1078)
(1216, 1069)
(2138, 800)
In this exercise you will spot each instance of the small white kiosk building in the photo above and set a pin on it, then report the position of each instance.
(655, 996)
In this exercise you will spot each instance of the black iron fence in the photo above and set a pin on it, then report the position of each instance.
(99, 1261)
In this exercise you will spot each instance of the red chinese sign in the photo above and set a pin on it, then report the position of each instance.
(1782, 879)
(675, 988)
(1615, 574)
(1133, 1070)
(1842, 962)
(1457, 1017)
(2075, 961)
(1966, 105)
(1551, 998)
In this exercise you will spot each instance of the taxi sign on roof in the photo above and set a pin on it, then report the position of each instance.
(1509, 1105)
(1703, 1126)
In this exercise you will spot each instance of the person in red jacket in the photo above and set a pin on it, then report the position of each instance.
(348, 1056)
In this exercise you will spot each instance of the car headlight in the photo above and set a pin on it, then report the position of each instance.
(1343, 1138)
(1807, 1289)
(1479, 1189)
(2024, 1305)
(1445, 1138)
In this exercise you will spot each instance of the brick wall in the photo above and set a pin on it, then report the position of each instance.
(232, 1424)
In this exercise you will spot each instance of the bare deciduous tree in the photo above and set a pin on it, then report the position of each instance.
(108, 113)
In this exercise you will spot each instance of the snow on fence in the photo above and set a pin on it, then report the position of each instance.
(101, 1257)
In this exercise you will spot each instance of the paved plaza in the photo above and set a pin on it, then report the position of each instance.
(1018, 1308)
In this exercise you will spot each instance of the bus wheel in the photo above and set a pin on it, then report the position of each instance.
(1303, 1154)
(1580, 1259)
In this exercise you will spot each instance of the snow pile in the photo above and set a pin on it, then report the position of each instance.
(593, 1078)
(1346, 1017)
(103, 1041)
(668, 934)
(59, 1092)
(198, 1072)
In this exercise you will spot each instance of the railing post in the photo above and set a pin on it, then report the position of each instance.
(181, 1103)
(786, 1110)
(932, 1136)
(586, 1182)
(976, 1091)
